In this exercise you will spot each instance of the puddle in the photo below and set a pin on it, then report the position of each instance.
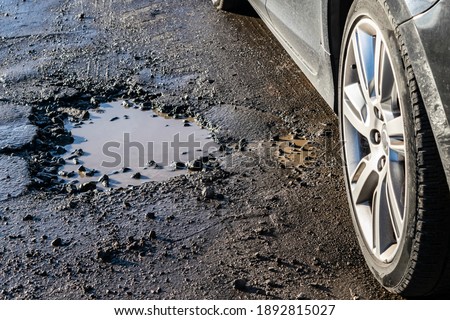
(132, 146)
(287, 152)
(295, 151)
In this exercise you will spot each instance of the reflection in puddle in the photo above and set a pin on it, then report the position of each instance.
(122, 144)
(295, 151)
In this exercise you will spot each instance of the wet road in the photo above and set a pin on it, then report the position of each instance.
(254, 228)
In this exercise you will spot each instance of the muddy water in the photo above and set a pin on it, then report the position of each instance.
(295, 151)
(133, 146)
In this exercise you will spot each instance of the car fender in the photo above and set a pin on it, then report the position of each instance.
(404, 10)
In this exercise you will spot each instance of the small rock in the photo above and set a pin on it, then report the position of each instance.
(157, 291)
(271, 283)
(78, 152)
(57, 242)
(126, 104)
(105, 255)
(63, 173)
(136, 176)
(178, 165)
(90, 173)
(71, 188)
(72, 157)
(104, 177)
(96, 100)
(87, 186)
(63, 139)
(28, 217)
(208, 193)
(152, 234)
(150, 215)
(240, 284)
(125, 169)
(114, 119)
(195, 165)
(145, 106)
(104, 180)
(60, 150)
(126, 205)
(85, 115)
(72, 204)
(81, 169)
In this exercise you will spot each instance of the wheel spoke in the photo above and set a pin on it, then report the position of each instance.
(395, 211)
(395, 130)
(384, 77)
(353, 106)
(376, 240)
(379, 66)
(381, 220)
(364, 51)
(364, 180)
(395, 127)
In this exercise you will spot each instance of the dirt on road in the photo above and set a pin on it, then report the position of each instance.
(251, 225)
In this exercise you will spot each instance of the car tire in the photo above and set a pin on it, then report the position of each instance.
(227, 5)
(398, 195)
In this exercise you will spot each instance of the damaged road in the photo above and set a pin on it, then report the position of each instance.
(252, 225)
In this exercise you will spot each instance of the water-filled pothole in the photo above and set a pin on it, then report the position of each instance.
(294, 151)
(121, 144)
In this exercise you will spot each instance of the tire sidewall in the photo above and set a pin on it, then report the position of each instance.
(391, 275)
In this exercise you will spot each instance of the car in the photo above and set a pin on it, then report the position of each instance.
(383, 66)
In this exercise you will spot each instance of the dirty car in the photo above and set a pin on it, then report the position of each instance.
(383, 67)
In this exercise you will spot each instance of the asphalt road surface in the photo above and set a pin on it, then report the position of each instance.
(249, 227)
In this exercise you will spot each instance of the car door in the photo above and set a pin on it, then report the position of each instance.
(299, 23)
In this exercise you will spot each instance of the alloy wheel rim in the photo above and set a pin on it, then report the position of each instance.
(374, 141)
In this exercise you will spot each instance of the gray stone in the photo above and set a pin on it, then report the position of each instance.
(240, 284)
(195, 165)
(208, 193)
(87, 186)
(14, 176)
(15, 128)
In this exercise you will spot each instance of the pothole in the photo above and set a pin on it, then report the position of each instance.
(122, 144)
(294, 151)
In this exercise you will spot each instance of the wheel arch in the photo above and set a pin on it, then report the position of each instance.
(338, 11)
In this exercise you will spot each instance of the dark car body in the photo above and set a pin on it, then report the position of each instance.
(424, 25)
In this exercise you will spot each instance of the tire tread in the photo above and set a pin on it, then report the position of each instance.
(429, 269)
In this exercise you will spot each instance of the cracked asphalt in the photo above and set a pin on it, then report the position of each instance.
(250, 228)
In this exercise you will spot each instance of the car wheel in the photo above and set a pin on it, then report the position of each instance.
(227, 5)
(396, 187)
